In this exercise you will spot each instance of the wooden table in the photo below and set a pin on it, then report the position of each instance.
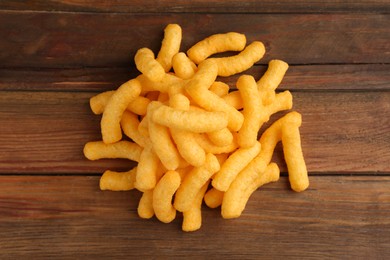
(56, 54)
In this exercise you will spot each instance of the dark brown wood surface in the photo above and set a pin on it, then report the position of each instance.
(205, 6)
(66, 216)
(55, 55)
(67, 39)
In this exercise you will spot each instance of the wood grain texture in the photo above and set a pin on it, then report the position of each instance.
(56, 54)
(306, 77)
(65, 40)
(46, 132)
(57, 216)
(42, 127)
(215, 6)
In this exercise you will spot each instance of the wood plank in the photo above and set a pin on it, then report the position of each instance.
(214, 6)
(306, 77)
(65, 40)
(51, 216)
(44, 132)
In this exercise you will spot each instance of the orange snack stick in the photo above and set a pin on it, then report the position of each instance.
(162, 196)
(194, 121)
(185, 141)
(219, 88)
(231, 65)
(161, 140)
(145, 205)
(234, 164)
(192, 218)
(231, 206)
(98, 102)
(247, 136)
(184, 67)
(213, 198)
(216, 43)
(148, 65)
(139, 105)
(117, 104)
(129, 124)
(271, 80)
(123, 149)
(210, 101)
(221, 137)
(146, 177)
(204, 77)
(193, 182)
(170, 45)
(293, 155)
(118, 181)
(271, 174)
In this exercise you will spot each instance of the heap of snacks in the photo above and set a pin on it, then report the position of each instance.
(194, 140)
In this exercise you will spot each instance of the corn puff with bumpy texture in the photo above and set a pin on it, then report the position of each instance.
(216, 43)
(170, 46)
(148, 65)
(122, 149)
(236, 162)
(193, 182)
(116, 106)
(145, 205)
(228, 66)
(247, 136)
(162, 196)
(192, 218)
(293, 155)
(184, 67)
(118, 181)
(194, 121)
(160, 138)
